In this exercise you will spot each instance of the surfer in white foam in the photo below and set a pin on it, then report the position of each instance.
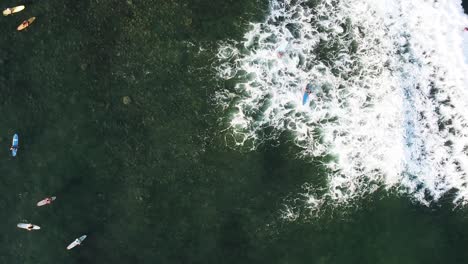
(282, 48)
(309, 88)
(307, 92)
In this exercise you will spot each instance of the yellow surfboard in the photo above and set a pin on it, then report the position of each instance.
(13, 10)
(26, 23)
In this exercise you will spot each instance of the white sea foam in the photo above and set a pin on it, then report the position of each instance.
(391, 105)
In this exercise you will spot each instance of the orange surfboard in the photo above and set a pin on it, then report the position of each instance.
(26, 23)
(13, 10)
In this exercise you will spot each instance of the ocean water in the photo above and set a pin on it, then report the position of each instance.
(172, 132)
(389, 106)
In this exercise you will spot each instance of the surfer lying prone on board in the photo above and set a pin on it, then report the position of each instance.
(26, 23)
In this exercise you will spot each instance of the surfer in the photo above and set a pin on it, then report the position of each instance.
(282, 48)
(26, 23)
(307, 92)
(46, 201)
(29, 227)
(76, 242)
(309, 88)
(14, 145)
(13, 10)
(7, 12)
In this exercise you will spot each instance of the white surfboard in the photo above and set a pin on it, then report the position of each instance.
(28, 226)
(13, 10)
(77, 242)
(46, 201)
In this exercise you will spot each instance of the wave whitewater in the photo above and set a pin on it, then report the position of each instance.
(391, 106)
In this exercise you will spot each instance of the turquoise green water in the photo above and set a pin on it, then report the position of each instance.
(153, 181)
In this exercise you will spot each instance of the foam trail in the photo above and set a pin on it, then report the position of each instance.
(391, 106)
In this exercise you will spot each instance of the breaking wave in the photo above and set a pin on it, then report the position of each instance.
(390, 104)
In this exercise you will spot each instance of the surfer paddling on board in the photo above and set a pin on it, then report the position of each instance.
(29, 227)
(13, 148)
(26, 23)
(76, 242)
(46, 201)
(13, 10)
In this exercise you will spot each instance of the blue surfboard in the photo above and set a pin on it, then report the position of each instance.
(307, 91)
(305, 98)
(14, 145)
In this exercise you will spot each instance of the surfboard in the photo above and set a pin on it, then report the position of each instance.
(305, 98)
(14, 144)
(44, 201)
(25, 226)
(13, 10)
(77, 242)
(26, 23)
(309, 88)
